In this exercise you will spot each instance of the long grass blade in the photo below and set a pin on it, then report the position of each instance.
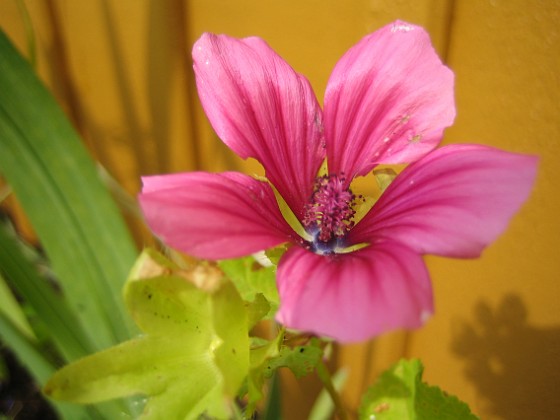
(57, 318)
(40, 368)
(55, 180)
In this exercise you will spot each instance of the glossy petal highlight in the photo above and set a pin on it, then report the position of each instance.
(454, 202)
(388, 100)
(261, 108)
(353, 297)
(213, 216)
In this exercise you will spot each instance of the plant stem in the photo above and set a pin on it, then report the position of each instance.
(325, 377)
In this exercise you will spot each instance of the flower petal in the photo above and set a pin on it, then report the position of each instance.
(213, 216)
(353, 297)
(454, 202)
(388, 100)
(261, 108)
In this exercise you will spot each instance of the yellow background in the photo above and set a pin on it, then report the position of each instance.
(122, 71)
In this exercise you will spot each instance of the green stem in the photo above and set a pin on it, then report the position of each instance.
(325, 377)
(237, 415)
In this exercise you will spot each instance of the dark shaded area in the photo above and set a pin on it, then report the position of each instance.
(514, 366)
(20, 398)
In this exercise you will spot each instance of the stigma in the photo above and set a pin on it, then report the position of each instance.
(329, 214)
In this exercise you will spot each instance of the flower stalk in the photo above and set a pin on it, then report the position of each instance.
(325, 377)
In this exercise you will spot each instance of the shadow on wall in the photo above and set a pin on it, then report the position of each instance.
(515, 367)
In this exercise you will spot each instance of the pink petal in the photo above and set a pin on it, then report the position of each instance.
(261, 108)
(454, 202)
(388, 100)
(213, 216)
(353, 297)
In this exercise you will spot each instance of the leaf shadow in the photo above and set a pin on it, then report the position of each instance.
(513, 365)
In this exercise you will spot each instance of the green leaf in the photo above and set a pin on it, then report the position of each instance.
(267, 357)
(301, 360)
(400, 394)
(434, 403)
(274, 254)
(273, 409)
(27, 352)
(257, 309)
(251, 278)
(261, 352)
(51, 309)
(11, 309)
(4, 371)
(194, 354)
(54, 317)
(56, 182)
(40, 368)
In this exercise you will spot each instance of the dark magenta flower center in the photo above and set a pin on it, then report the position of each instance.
(328, 215)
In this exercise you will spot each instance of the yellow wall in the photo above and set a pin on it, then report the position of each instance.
(122, 70)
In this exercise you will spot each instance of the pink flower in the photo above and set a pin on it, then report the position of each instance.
(388, 100)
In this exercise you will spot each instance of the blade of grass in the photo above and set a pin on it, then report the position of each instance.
(273, 410)
(27, 353)
(51, 308)
(55, 180)
(41, 369)
(11, 309)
